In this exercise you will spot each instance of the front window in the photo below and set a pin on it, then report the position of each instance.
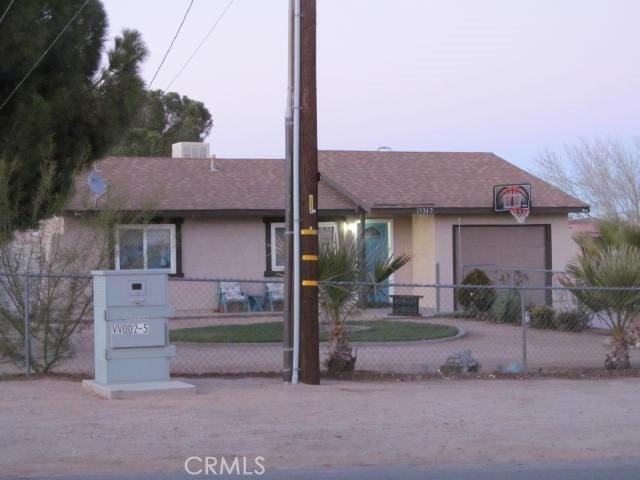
(146, 247)
(327, 234)
(277, 247)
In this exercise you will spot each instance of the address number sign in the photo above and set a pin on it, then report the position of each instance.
(424, 210)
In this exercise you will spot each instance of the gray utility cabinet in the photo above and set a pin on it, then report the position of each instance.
(131, 334)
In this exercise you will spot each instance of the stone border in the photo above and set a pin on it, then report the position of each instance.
(461, 333)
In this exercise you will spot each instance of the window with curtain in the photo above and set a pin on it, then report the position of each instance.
(146, 247)
(327, 234)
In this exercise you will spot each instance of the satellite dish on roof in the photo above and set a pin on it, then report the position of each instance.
(97, 185)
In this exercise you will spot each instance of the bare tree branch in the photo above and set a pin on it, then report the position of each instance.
(603, 173)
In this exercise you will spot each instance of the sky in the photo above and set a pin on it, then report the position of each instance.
(502, 76)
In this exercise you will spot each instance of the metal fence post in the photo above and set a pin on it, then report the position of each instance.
(437, 287)
(27, 329)
(523, 321)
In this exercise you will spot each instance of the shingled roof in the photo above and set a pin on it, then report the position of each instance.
(374, 181)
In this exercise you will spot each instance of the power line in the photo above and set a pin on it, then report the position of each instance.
(200, 45)
(171, 45)
(6, 10)
(43, 54)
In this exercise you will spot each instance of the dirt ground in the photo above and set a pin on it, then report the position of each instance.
(50, 427)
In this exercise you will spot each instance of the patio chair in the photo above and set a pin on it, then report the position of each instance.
(230, 292)
(275, 293)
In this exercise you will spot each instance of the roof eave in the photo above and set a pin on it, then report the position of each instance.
(473, 210)
(214, 213)
(337, 211)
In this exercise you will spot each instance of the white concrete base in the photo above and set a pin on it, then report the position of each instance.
(117, 391)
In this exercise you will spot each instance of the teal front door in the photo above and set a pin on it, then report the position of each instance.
(376, 236)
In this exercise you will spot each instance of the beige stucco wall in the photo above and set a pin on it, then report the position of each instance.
(424, 258)
(223, 247)
(235, 247)
(232, 248)
(423, 241)
(219, 248)
(403, 244)
(84, 241)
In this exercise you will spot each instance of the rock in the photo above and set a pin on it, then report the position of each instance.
(514, 368)
(460, 362)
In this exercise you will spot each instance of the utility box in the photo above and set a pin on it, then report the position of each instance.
(131, 333)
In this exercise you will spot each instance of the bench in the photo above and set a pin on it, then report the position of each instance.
(406, 305)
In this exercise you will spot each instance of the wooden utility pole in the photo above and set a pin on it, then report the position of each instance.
(309, 328)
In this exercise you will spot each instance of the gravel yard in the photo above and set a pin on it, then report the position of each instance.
(491, 344)
(50, 427)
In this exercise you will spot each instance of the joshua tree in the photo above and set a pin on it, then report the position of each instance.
(339, 263)
(610, 260)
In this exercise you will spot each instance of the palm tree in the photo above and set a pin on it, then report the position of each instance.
(611, 232)
(383, 268)
(339, 273)
(338, 262)
(610, 260)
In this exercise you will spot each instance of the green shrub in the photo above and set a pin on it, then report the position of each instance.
(572, 321)
(506, 308)
(476, 300)
(542, 316)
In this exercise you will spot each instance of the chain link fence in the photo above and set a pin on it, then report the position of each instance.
(505, 329)
(46, 323)
(227, 326)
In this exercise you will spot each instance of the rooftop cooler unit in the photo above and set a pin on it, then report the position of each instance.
(190, 150)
